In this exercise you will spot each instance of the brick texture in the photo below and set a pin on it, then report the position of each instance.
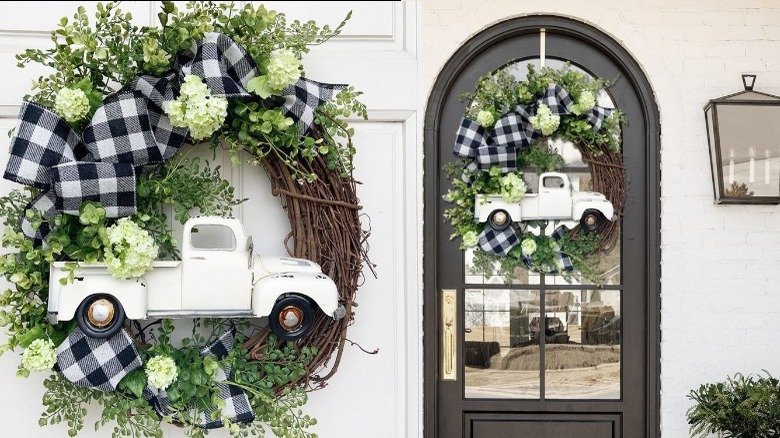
(720, 302)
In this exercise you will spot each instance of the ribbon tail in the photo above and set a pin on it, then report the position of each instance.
(498, 242)
(237, 406)
(43, 207)
(302, 99)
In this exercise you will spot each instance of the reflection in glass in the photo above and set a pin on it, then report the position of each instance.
(474, 275)
(582, 344)
(501, 355)
(750, 157)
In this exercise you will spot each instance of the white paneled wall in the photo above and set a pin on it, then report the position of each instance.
(377, 53)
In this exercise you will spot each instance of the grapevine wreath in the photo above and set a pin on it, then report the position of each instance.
(102, 147)
(511, 125)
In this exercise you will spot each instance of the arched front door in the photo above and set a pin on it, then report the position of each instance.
(596, 373)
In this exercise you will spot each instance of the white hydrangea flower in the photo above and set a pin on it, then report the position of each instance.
(545, 120)
(161, 371)
(131, 250)
(585, 102)
(528, 247)
(39, 355)
(485, 119)
(470, 239)
(284, 68)
(513, 187)
(196, 109)
(71, 104)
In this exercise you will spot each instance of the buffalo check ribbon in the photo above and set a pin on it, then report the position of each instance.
(97, 363)
(514, 131)
(237, 407)
(131, 133)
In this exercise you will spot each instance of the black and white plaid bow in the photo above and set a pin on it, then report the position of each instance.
(131, 132)
(514, 132)
(100, 165)
(97, 363)
(564, 260)
(237, 407)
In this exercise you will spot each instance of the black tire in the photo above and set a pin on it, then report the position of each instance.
(591, 220)
(100, 331)
(293, 306)
(497, 225)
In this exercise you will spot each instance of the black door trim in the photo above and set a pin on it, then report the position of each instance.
(433, 219)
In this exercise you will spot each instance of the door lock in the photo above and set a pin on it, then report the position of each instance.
(449, 339)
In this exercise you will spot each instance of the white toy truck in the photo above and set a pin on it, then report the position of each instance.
(218, 277)
(556, 200)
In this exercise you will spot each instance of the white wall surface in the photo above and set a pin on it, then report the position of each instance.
(720, 301)
(377, 53)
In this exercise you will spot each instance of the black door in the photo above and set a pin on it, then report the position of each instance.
(541, 357)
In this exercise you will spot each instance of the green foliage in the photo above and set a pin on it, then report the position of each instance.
(99, 54)
(99, 59)
(27, 267)
(186, 185)
(501, 92)
(740, 407)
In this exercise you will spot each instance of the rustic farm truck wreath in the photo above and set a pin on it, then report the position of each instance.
(100, 147)
(553, 228)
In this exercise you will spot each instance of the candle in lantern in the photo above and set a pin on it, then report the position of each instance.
(766, 166)
(731, 166)
(752, 165)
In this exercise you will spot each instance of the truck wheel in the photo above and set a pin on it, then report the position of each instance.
(100, 316)
(499, 220)
(591, 220)
(291, 317)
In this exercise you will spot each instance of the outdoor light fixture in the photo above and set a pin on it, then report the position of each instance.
(743, 130)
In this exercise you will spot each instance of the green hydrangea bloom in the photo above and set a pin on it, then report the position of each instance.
(470, 239)
(161, 371)
(39, 355)
(284, 68)
(585, 102)
(545, 120)
(196, 109)
(513, 187)
(485, 119)
(154, 56)
(71, 104)
(528, 247)
(131, 250)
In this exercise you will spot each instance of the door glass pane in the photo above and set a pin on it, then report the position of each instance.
(582, 344)
(501, 355)
(475, 275)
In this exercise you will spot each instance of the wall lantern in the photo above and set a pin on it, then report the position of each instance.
(743, 130)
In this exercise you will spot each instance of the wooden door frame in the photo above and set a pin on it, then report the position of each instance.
(433, 217)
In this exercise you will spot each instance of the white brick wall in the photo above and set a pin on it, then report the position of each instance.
(720, 311)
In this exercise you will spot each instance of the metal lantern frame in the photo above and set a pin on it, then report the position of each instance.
(748, 97)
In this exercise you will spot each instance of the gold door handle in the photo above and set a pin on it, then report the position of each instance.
(449, 340)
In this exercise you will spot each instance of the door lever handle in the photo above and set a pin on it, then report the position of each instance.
(449, 339)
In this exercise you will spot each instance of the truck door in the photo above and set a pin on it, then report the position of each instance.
(216, 274)
(554, 197)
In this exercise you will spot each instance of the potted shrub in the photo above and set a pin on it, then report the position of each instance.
(739, 407)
